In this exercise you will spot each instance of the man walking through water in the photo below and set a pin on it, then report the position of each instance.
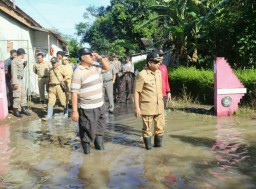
(148, 99)
(87, 100)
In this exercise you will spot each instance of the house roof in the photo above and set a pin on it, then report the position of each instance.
(15, 12)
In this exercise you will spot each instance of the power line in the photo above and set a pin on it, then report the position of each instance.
(40, 14)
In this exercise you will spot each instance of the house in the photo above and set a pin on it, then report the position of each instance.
(19, 30)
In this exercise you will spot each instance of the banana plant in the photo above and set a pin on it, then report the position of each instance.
(183, 19)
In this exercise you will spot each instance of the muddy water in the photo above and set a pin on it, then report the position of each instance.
(198, 151)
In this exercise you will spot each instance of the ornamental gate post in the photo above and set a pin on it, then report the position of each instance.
(3, 96)
(228, 90)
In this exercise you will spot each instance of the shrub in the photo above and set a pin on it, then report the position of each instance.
(200, 84)
(197, 83)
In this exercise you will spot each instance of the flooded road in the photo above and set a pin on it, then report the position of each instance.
(199, 151)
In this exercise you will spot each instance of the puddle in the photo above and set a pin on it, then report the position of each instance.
(198, 152)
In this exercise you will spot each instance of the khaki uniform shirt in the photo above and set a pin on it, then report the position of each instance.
(17, 70)
(42, 69)
(117, 65)
(61, 74)
(149, 86)
(68, 68)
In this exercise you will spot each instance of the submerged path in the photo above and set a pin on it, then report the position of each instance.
(199, 151)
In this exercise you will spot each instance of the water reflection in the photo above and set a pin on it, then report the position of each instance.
(5, 153)
(197, 152)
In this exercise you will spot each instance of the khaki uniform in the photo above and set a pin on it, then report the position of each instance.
(68, 68)
(149, 86)
(117, 65)
(42, 70)
(54, 86)
(19, 95)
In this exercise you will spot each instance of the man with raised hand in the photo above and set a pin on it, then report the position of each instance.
(87, 99)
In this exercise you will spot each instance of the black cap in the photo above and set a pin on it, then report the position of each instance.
(83, 51)
(21, 51)
(154, 56)
(54, 60)
(160, 52)
(61, 53)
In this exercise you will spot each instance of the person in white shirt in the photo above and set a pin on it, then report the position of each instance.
(126, 83)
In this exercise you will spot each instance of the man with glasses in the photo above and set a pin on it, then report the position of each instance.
(87, 99)
(148, 99)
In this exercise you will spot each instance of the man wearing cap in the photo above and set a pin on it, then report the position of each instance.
(117, 65)
(148, 99)
(87, 99)
(58, 76)
(68, 68)
(8, 77)
(165, 80)
(18, 85)
(42, 69)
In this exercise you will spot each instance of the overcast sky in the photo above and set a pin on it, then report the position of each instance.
(61, 14)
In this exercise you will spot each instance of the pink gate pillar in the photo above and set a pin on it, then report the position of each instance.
(3, 96)
(228, 90)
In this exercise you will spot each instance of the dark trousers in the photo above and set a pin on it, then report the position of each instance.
(116, 86)
(91, 123)
(126, 81)
(9, 93)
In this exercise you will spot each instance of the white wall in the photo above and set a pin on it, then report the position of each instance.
(22, 37)
(138, 58)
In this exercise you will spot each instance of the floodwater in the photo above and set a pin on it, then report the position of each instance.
(199, 151)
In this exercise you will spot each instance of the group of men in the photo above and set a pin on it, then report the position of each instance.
(50, 78)
(93, 76)
(88, 107)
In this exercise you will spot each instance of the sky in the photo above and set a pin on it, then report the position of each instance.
(60, 14)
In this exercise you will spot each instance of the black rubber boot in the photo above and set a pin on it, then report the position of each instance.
(147, 141)
(86, 147)
(158, 140)
(25, 111)
(16, 112)
(98, 142)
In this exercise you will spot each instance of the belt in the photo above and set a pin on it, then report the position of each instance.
(19, 77)
(107, 81)
(44, 77)
(54, 84)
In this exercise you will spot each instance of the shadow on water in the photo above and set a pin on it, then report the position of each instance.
(123, 135)
(202, 111)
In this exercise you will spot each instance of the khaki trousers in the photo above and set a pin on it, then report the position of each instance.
(42, 84)
(157, 120)
(54, 92)
(108, 87)
(19, 95)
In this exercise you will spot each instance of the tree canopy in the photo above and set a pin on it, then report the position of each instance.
(200, 30)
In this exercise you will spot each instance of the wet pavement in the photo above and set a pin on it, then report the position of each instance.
(199, 151)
